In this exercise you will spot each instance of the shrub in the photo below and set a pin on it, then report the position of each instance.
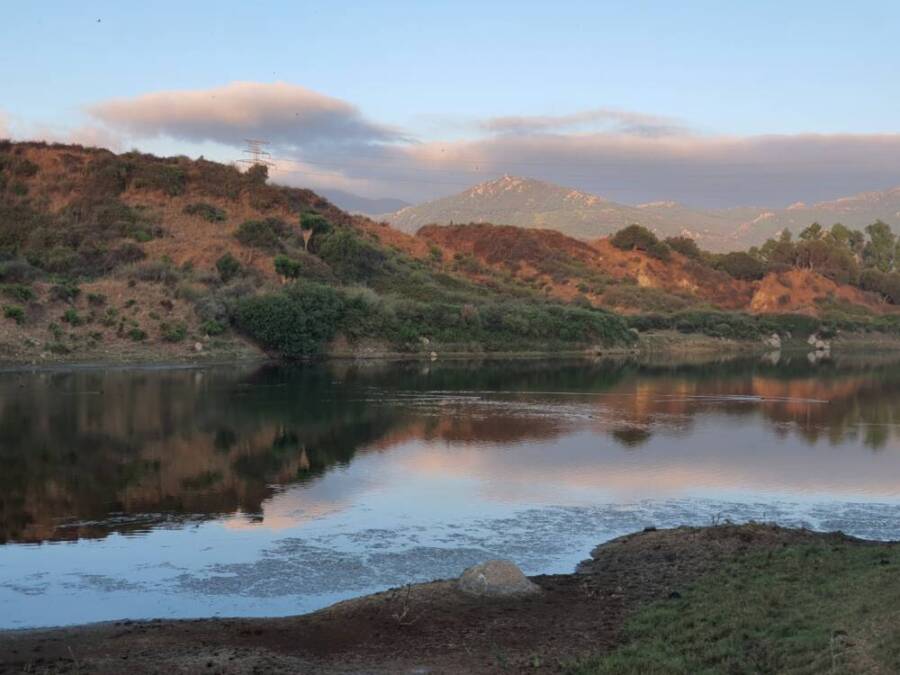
(157, 175)
(156, 271)
(351, 258)
(741, 265)
(15, 313)
(685, 246)
(228, 267)
(174, 332)
(208, 212)
(636, 237)
(288, 267)
(96, 299)
(18, 292)
(212, 328)
(263, 234)
(294, 323)
(136, 334)
(72, 317)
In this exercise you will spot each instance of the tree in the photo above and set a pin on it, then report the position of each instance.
(685, 246)
(812, 233)
(880, 250)
(636, 237)
(741, 265)
(288, 267)
(311, 224)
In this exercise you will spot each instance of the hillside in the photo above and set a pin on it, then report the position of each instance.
(526, 202)
(133, 257)
(633, 281)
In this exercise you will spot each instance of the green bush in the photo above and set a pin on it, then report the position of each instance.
(741, 265)
(18, 292)
(72, 317)
(352, 258)
(15, 313)
(294, 323)
(212, 328)
(288, 267)
(96, 299)
(263, 234)
(208, 212)
(174, 332)
(136, 334)
(228, 267)
(685, 246)
(636, 237)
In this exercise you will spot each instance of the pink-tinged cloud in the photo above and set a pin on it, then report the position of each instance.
(626, 156)
(285, 114)
(608, 119)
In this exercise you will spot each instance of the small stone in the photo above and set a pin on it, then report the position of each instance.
(812, 339)
(434, 356)
(821, 345)
(198, 346)
(496, 578)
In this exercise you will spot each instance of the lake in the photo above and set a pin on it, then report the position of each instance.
(275, 490)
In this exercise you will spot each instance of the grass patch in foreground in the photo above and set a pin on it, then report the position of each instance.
(800, 609)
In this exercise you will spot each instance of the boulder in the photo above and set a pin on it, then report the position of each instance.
(496, 578)
(774, 341)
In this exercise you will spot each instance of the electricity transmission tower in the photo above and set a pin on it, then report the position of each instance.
(256, 156)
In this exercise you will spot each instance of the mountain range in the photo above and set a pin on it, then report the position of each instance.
(526, 202)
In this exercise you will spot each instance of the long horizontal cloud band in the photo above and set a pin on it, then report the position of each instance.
(626, 156)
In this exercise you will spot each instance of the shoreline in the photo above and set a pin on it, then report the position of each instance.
(651, 344)
(433, 627)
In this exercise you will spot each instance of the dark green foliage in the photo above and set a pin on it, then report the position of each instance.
(161, 175)
(136, 334)
(886, 284)
(685, 246)
(636, 237)
(741, 265)
(351, 257)
(294, 323)
(72, 317)
(645, 299)
(288, 267)
(734, 325)
(18, 292)
(174, 332)
(15, 313)
(157, 271)
(267, 234)
(212, 328)
(228, 267)
(208, 212)
(96, 299)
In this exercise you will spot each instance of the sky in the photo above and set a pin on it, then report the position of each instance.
(708, 103)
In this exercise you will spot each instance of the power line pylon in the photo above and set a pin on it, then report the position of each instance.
(256, 155)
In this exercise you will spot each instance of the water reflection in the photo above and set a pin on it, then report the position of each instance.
(86, 453)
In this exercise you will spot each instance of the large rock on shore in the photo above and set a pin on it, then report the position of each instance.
(496, 578)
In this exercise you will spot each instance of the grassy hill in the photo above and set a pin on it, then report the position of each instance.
(131, 256)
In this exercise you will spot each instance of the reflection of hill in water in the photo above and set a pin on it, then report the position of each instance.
(148, 446)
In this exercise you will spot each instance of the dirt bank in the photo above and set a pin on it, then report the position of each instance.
(427, 628)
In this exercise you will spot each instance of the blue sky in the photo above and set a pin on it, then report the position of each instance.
(437, 70)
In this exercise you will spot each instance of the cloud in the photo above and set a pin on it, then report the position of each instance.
(608, 119)
(285, 114)
(626, 156)
(709, 171)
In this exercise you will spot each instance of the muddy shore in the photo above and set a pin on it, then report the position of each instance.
(425, 628)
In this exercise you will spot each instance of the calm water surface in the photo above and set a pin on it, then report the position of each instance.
(277, 490)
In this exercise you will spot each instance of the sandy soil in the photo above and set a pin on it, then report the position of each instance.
(427, 628)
